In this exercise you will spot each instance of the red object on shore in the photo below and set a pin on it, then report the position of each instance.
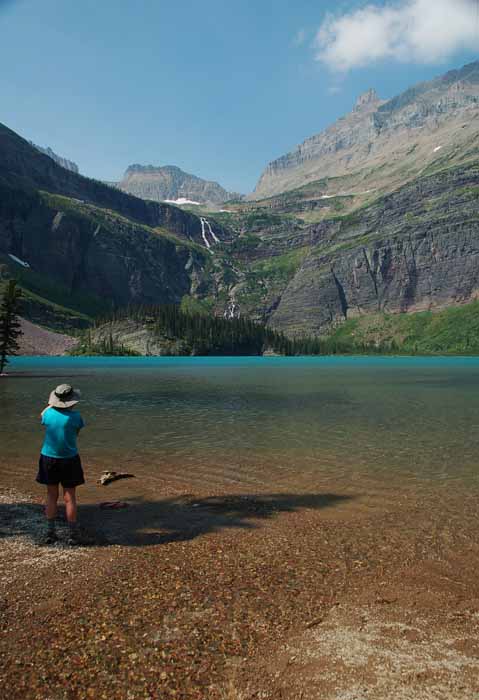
(114, 505)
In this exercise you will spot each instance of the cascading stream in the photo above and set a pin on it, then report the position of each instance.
(205, 229)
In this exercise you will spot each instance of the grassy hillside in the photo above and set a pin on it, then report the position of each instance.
(451, 331)
(44, 302)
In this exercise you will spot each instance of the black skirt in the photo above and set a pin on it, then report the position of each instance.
(66, 471)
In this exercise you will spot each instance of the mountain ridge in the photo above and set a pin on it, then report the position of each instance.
(25, 167)
(381, 133)
(64, 162)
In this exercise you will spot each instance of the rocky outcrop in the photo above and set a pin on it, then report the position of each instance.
(64, 162)
(138, 337)
(386, 143)
(370, 97)
(170, 183)
(413, 250)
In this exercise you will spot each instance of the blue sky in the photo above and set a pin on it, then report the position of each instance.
(219, 88)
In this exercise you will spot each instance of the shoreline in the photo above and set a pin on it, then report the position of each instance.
(245, 596)
(19, 359)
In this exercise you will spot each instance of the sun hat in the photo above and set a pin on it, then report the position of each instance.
(64, 396)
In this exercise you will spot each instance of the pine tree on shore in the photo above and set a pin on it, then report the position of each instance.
(10, 329)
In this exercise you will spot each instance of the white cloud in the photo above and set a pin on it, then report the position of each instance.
(420, 31)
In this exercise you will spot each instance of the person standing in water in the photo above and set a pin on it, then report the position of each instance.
(59, 459)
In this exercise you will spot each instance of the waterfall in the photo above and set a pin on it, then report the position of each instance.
(205, 230)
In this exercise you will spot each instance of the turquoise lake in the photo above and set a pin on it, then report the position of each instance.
(256, 422)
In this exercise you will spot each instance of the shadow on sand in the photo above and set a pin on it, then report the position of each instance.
(146, 522)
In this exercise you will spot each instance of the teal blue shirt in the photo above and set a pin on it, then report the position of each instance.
(62, 427)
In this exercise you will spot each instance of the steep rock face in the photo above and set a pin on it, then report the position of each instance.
(395, 138)
(64, 162)
(170, 183)
(139, 338)
(370, 97)
(414, 250)
(91, 255)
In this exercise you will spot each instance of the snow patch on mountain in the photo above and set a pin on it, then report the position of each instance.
(181, 200)
(17, 260)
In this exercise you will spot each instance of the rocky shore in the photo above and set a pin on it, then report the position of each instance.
(235, 596)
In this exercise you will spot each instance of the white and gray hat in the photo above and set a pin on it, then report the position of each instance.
(64, 396)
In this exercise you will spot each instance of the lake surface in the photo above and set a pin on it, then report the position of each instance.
(256, 423)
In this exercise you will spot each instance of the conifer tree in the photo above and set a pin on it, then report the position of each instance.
(10, 329)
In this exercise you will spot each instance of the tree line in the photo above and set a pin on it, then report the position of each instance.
(212, 335)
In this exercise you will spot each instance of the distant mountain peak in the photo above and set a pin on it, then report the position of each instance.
(367, 98)
(169, 183)
(138, 168)
(401, 135)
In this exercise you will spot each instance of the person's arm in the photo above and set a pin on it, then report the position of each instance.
(43, 412)
(81, 425)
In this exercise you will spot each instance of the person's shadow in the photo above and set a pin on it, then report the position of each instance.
(146, 522)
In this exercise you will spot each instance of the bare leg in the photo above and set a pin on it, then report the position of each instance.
(51, 504)
(69, 496)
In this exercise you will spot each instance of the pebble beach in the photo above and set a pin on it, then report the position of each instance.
(240, 596)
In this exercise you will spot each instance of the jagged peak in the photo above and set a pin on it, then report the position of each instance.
(366, 98)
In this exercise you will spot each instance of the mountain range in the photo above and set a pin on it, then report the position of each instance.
(378, 215)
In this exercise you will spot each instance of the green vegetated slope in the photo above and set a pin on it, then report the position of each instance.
(171, 331)
(450, 331)
(89, 248)
(48, 303)
(89, 259)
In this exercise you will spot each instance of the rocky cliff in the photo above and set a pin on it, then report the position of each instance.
(416, 249)
(85, 257)
(64, 162)
(385, 143)
(170, 183)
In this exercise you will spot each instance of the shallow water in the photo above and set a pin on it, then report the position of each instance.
(255, 422)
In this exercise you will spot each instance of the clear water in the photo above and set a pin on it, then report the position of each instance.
(254, 422)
